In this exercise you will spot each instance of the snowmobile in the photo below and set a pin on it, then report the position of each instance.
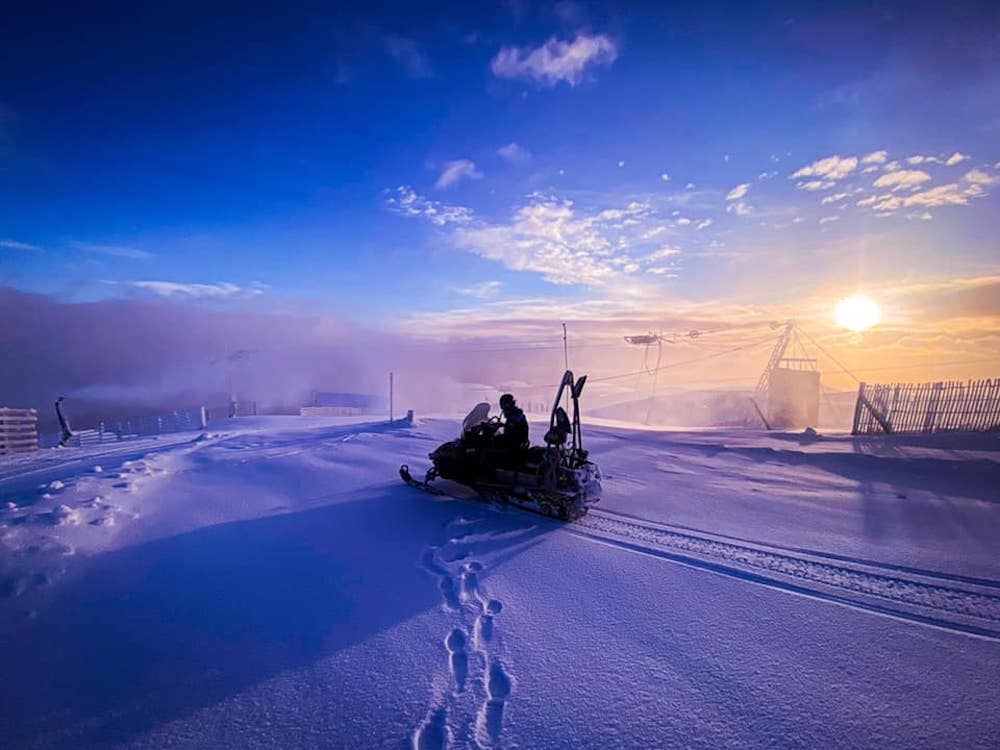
(556, 479)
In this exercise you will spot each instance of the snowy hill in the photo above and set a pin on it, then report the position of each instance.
(272, 583)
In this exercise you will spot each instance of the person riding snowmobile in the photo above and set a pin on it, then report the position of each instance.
(514, 435)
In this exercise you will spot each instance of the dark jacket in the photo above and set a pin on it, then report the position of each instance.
(515, 428)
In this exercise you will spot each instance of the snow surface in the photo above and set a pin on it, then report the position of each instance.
(271, 583)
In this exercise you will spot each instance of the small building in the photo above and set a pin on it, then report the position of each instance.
(793, 392)
(329, 404)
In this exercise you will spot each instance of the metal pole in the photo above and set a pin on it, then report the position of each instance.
(565, 348)
(390, 396)
(566, 361)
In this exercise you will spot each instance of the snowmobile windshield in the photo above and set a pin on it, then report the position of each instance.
(480, 413)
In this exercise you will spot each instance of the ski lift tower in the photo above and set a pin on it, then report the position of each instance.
(789, 387)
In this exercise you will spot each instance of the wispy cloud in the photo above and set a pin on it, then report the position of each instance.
(814, 185)
(404, 200)
(952, 194)
(903, 179)
(738, 192)
(115, 251)
(514, 154)
(979, 177)
(482, 290)
(556, 60)
(956, 158)
(15, 245)
(407, 53)
(831, 168)
(454, 171)
(178, 290)
(563, 242)
(834, 198)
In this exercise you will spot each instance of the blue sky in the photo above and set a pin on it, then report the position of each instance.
(428, 165)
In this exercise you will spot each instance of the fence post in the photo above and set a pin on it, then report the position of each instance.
(932, 406)
(857, 409)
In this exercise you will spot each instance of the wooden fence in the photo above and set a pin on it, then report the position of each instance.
(18, 430)
(945, 406)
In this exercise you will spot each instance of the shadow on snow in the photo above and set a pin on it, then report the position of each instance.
(141, 636)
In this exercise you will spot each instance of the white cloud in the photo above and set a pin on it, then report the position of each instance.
(831, 168)
(875, 157)
(218, 290)
(952, 194)
(683, 221)
(905, 178)
(828, 219)
(766, 175)
(955, 158)
(918, 159)
(667, 251)
(703, 224)
(834, 198)
(813, 185)
(456, 170)
(514, 153)
(945, 195)
(979, 177)
(566, 243)
(621, 163)
(408, 55)
(738, 192)
(892, 166)
(482, 290)
(116, 251)
(739, 208)
(665, 177)
(662, 271)
(547, 235)
(15, 245)
(689, 186)
(404, 200)
(556, 60)
(866, 170)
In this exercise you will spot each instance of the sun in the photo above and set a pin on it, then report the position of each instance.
(857, 313)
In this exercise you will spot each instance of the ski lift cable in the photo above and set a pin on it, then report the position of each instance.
(834, 359)
(672, 365)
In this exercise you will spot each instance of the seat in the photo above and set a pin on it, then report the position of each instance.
(560, 431)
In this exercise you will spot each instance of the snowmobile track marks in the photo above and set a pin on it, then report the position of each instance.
(853, 584)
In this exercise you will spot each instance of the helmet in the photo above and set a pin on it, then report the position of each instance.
(506, 401)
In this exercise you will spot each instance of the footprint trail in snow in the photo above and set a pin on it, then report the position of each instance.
(471, 712)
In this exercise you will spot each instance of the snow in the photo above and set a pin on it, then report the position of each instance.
(271, 583)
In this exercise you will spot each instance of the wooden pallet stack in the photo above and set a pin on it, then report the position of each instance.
(18, 430)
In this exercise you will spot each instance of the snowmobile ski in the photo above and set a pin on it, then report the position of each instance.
(426, 486)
